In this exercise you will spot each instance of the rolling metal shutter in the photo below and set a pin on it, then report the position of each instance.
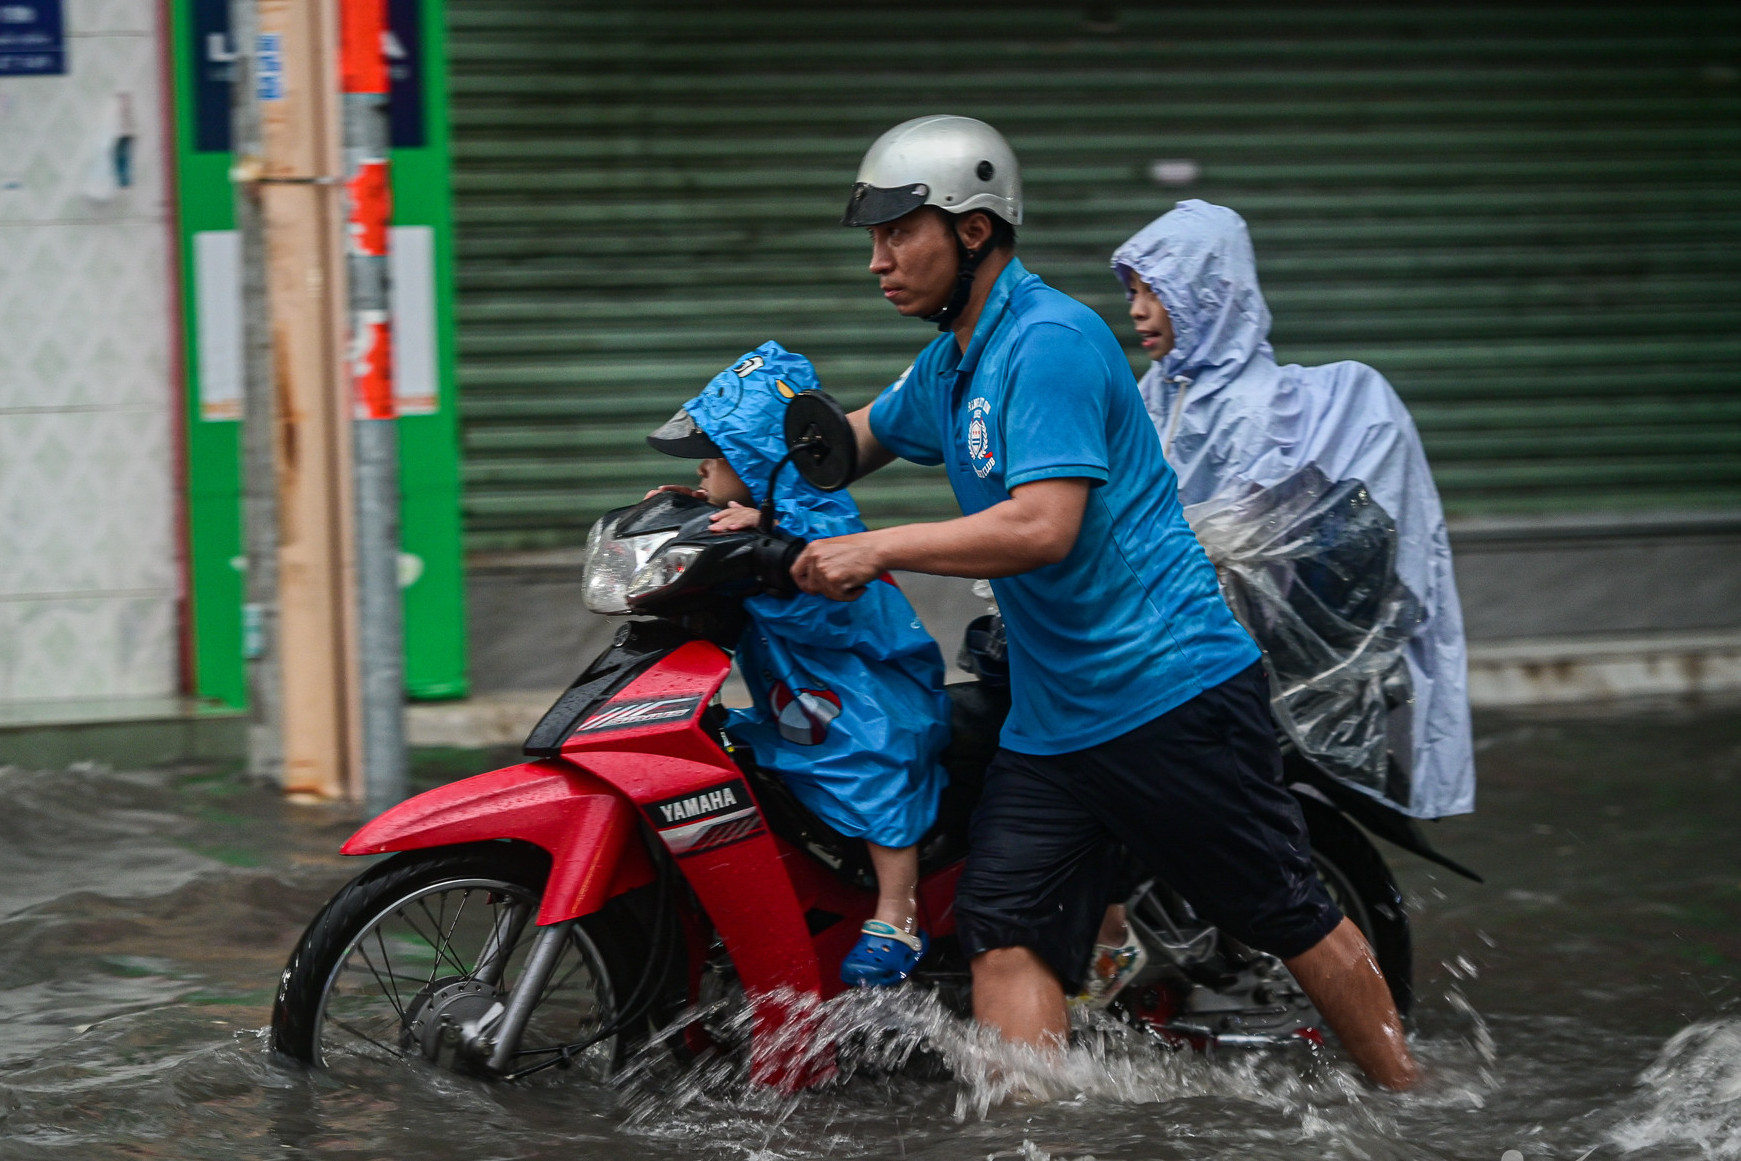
(1526, 218)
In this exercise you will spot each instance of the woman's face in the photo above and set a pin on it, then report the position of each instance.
(1151, 318)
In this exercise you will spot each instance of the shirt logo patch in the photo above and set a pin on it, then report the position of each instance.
(979, 437)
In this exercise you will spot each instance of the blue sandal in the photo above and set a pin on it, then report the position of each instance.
(883, 956)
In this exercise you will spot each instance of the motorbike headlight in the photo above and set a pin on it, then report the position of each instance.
(663, 570)
(613, 561)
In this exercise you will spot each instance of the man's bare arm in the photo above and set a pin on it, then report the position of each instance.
(871, 453)
(1035, 527)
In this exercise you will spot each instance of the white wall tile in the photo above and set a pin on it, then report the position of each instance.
(85, 503)
(84, 316)
(87, 648)
(87, 499)
(84, 17)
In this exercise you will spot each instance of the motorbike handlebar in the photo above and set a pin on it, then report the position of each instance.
(775, 555)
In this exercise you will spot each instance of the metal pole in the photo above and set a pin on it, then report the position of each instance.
(259, 415)
(380, 615)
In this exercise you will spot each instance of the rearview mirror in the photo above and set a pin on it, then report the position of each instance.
(820, 439)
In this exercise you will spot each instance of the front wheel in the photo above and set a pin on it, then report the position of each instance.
(418, 956)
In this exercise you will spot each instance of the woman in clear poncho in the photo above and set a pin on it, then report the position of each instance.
(1310, 490)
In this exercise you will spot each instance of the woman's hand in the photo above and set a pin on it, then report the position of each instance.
(734, 517)
(680, 489)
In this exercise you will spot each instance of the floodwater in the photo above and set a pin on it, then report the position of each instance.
(1584, 1003)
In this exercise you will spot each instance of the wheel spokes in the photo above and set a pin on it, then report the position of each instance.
(392, 992)
(418, 967)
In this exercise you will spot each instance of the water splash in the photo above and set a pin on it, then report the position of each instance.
(900, 1057)
(878, 1032)
(1028, 1151)
(1479, 1039)
(1692, 1093)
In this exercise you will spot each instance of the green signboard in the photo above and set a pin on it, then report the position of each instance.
(422, 271)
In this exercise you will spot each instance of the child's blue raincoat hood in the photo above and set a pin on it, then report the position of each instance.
(849, 702)
(743, 409)
(1232, 422)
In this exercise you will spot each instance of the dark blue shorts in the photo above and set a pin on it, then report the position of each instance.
(1195, 796)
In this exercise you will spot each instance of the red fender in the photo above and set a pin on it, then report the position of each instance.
(585, 823)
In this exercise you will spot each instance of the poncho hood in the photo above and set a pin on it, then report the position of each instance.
(743, 410)
(1198, 260)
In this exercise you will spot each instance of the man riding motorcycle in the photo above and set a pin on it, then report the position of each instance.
(1140, 713)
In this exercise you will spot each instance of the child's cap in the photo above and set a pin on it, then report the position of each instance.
(680, 436)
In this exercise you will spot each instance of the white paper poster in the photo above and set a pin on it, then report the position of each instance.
(217, 260)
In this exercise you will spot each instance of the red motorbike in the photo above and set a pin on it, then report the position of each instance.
(559, 912)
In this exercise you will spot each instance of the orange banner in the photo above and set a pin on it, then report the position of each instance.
(362, 63)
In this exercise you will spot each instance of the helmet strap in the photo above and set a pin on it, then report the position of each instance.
(966, 265)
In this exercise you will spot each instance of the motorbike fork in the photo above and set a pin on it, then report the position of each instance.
(547, 947)
(503, 938)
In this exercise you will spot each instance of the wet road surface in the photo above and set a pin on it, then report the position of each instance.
(1584, 1003)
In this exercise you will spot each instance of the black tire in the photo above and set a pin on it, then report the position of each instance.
(1362, 886)
(612, 948)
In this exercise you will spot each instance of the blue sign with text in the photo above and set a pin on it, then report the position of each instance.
(32, 38)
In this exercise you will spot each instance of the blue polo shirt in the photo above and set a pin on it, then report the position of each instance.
(1131, 623)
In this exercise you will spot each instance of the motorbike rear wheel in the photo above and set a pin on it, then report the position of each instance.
(414, 955)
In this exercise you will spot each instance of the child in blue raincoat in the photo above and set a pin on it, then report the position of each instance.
(849, 703)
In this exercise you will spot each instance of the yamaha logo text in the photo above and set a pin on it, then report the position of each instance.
(698, 805)
(707, 819)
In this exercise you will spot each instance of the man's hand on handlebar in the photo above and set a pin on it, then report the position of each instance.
(840, 567)
(1037, 526)
(734, 517)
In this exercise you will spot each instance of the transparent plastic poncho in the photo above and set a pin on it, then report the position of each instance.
(1309, 567)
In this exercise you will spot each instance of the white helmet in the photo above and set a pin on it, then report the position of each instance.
(954, 163)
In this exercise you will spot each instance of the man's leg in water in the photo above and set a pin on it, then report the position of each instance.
(1017, 994)
(897, 886)
(1343, 979)
(1027, 904)
(1347, 987)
